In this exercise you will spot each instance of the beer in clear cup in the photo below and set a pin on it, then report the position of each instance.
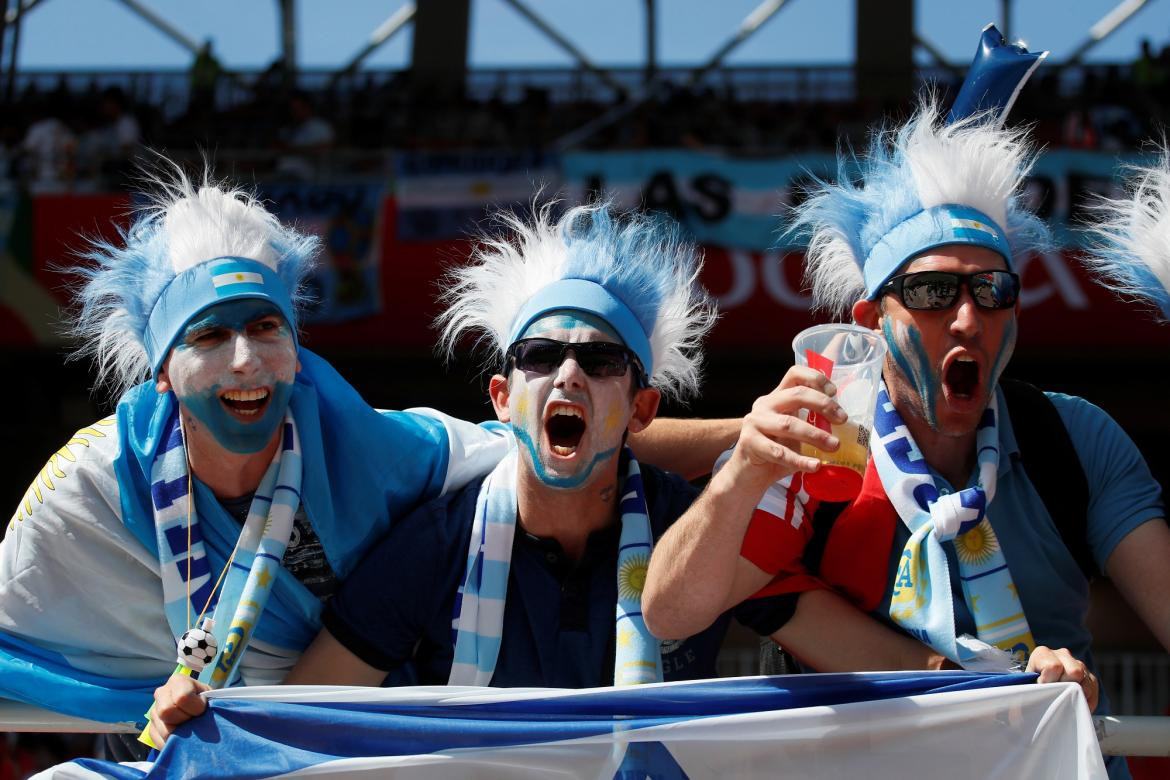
(851, 357)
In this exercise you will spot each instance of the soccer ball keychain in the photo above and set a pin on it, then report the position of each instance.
(197, 648)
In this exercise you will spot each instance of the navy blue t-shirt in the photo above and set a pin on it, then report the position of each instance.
(395, 610)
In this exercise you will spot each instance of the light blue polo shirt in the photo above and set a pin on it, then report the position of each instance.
(1053, 591)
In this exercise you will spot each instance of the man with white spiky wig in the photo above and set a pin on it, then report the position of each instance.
(1129, 251)
(243, 468)
(533, 575)
(920, 247)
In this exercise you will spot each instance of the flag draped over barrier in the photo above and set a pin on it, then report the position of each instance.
(953, 724)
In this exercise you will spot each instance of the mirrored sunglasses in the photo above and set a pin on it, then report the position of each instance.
(937, 290)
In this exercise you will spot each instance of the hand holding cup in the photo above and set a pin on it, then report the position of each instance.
(775, 431)
(851, 357)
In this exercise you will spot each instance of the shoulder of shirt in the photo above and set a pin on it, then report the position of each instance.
(445, 514)
(1076, 411)
(664, 480)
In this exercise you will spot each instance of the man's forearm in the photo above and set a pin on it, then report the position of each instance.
(696, 571)
(830, 634)
(1138, 568)
(328, 662)
(687, 447)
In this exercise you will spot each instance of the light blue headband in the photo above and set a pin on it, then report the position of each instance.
(204, 285)
(587, 296)
(928, 229)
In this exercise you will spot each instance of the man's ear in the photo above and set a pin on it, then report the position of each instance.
(867, 313)
(499, 391)
(645, 408)
(162, 382)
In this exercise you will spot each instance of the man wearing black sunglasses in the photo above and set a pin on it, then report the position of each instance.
(514, 580)
(923, 250)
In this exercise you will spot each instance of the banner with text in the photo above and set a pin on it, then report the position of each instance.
(742, 203)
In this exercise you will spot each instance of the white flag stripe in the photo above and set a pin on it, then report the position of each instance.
(237, 277)
(491, 616)
(973, 224)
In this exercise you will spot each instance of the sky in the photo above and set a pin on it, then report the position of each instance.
(106, 35)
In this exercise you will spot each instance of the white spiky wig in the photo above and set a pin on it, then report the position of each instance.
(921, 186)
(1129, 249)
(636, 272)
(189, 248)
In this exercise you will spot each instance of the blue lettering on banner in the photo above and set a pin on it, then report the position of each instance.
(921, 634)
(904, 579)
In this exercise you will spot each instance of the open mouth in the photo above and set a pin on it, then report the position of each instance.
(962, 378)
(564, 428)
(245, 403)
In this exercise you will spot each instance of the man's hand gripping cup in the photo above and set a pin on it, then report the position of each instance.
(770, 440)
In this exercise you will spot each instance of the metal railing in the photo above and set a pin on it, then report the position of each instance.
(170, 89)
(1137, 684)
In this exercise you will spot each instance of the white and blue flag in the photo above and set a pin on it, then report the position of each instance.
(233, 277)
(952, 724)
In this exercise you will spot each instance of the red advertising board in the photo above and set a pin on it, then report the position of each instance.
(759, 293)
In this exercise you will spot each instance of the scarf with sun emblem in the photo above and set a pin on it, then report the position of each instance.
(921, 601)
(479, 605)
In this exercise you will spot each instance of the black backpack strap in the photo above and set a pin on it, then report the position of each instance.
(1052, 465)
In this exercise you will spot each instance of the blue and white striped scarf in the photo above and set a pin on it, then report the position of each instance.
(921, 601)
(479, 605)
(262, 542)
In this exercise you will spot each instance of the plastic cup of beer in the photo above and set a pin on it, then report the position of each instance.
(851, 356)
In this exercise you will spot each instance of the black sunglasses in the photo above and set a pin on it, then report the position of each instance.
(596, 358)
(937, 290)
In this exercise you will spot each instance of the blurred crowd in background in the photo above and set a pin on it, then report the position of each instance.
(79, 131)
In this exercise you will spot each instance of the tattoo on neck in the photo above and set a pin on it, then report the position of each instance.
(608, 491)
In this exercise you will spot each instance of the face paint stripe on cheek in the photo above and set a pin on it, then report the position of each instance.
(233, 434)
(909, 353)
(1006, 348)
(613, 418)
(553, 480)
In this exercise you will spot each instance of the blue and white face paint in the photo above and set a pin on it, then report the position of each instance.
(233, 370)
(569, 425)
